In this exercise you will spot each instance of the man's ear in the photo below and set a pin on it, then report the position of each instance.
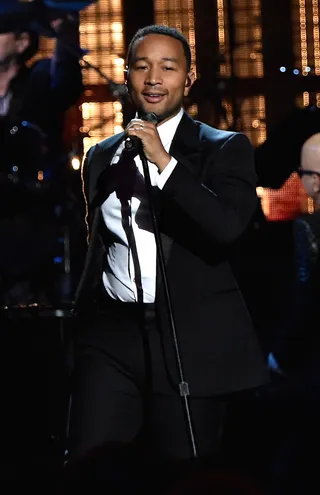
(189, 82)
(127, 79)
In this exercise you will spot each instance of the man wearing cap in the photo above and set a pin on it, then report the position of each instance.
(33, 101)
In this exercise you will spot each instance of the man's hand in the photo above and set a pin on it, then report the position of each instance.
(151, 143)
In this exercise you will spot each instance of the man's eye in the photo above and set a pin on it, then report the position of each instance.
(141, 67)
(168, 68)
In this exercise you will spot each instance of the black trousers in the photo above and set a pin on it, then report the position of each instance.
(121, 391)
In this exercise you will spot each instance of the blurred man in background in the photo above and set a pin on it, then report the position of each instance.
(33, 100)
(34, 96)
(296, 352)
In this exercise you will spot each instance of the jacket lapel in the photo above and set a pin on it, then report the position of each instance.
(186, 143)
(185, 148)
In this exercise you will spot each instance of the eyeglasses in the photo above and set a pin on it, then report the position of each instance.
(302, 171)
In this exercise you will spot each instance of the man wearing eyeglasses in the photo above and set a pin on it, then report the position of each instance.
(296, 354)
(310, 168)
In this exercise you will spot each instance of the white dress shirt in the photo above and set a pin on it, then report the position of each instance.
(120, 278)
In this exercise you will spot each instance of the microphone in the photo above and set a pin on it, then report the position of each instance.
(133, 142)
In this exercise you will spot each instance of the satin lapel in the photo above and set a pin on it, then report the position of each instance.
(185, 148)
(98, 167)
(186, 145)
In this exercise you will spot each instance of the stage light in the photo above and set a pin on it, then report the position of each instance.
(75, 162)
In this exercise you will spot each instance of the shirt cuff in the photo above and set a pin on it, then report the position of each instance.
(162, 178)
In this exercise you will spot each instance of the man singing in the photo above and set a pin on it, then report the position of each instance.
(126, 379)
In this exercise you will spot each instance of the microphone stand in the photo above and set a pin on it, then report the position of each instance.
(183, 385)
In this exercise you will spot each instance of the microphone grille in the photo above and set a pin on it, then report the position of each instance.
(150, 117)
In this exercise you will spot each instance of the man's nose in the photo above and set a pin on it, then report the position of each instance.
(153, 78)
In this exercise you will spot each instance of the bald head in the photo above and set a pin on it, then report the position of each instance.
(310, 164)
(310, 153)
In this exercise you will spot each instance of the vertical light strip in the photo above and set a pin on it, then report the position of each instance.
(226, 120)
(225, 67)
(306, 45)
(247, 52)
(303, 37)
(306, 99)
(253, 119)
(180, 15)
(256, 54)
(192, 35)
(101, 33)
(316, 40)
(247, 58)
(310, 205)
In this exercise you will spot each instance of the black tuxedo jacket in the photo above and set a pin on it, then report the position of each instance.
(203, 208)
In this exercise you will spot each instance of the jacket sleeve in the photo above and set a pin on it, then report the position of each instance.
(222, 205)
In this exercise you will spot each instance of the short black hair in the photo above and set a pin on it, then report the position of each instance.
(166, 31)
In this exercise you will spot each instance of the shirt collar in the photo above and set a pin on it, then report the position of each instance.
(168, 129)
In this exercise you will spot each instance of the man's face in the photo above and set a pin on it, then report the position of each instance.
(311, 182)
(11, 46)
(310, 168)
(157, 76)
